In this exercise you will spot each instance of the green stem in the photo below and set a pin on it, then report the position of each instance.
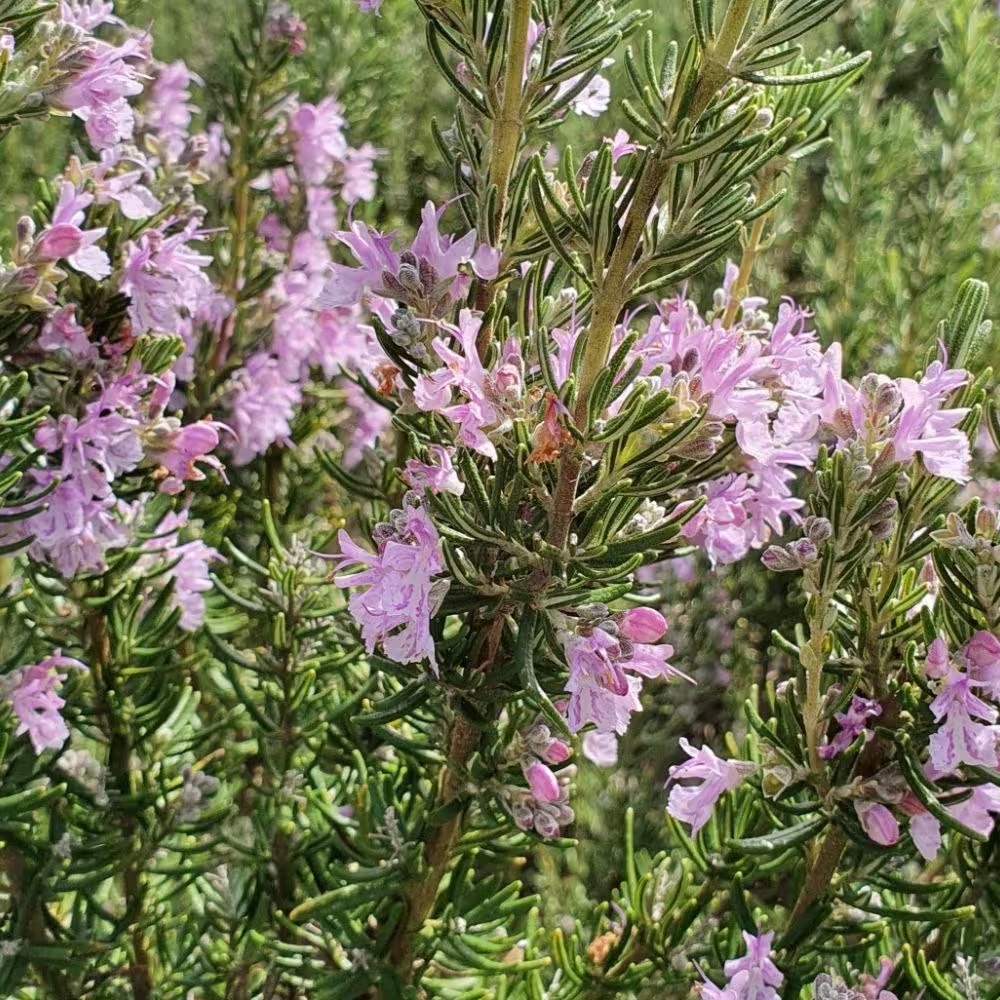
(715, 70)
(508, 124)
(741, 286)
(241, 200)
(505, 141)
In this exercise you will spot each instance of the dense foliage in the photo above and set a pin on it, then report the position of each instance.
(416, 456)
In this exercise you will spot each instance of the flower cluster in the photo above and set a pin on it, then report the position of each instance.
(752, 977)
(965, 736)
(31, 692)
(608, 654)
(400, 595)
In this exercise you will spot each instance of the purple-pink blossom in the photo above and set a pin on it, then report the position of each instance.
(485, 399)
(752, 977)
(710, 776)
(427, 276)
(908, 415)
(395, 594)
(31, 692)
(852, 724)
(261, 407)
(602, 682)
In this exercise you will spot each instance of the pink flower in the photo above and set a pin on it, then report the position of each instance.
(180, 448)
(926, 833)
(439, 478)
(543, 783)
(369, 6)
(960, 739)
(399, 597)
(878, 822)
(852, 723)
(188, 570)
(63, 239)
(31, 692)
(165, 279)
(168, 110)
(600, 690)
(754, 976)
(982, 655)
(96, 92)
(712, 777)
(600, 748)
(908, 415)
(262, 404)
(427, 276)
(61, 332)
(484, 397)
(318, 141)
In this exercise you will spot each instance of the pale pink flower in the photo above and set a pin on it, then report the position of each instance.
(755, 976)
(982, 656)
(960, 739)
(438, 478)
(261, 407)
(482, 395)
(64, 239)
(31, 692)
(318, 140)
(712, 777)
(399, 596)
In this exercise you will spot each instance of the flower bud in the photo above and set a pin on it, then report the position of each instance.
(557, 752)
(878, 822)
(642, 625)
(543, 783)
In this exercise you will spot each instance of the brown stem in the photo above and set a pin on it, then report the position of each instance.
(821, 872)
(421, 894)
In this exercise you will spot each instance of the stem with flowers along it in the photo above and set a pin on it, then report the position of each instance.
(464, 738)
(615, 285)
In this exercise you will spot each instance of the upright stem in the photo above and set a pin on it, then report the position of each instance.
(505, 139)
(421, 893)
(813, 656)
(236, 273)
(614, 286)
(508, 124)
(742, 283)
(715, 71)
